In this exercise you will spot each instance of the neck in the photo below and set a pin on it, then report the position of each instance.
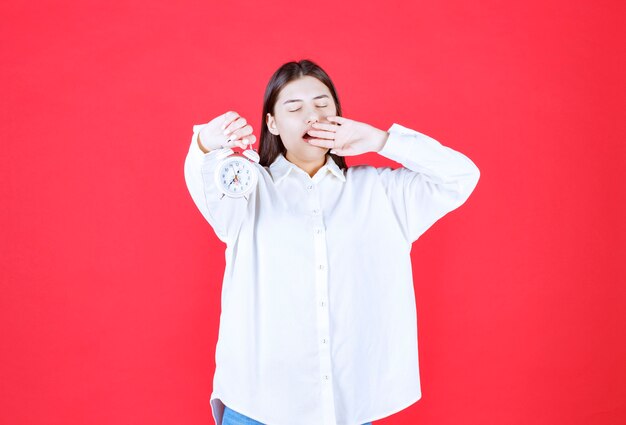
(311, 167)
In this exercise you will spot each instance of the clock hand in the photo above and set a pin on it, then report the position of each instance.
(235, 175)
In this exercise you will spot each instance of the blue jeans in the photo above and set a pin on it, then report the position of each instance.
(232, 417)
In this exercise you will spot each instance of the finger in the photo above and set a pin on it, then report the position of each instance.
(246, 142)
(323, 143)
(234, 143)
(322, 133)
(243, 142)
(336, 118)
(324, 126)
(236, 125)
(236, 134)
(229, 117)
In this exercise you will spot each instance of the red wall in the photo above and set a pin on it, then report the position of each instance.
(110, 277)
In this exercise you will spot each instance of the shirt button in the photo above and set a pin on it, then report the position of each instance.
(324, 341)
(310, 186)
(326, 377)
(322, 303)
(318, 231)
(321, 267)
(315, 211)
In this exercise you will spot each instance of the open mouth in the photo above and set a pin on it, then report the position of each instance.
(307, 136)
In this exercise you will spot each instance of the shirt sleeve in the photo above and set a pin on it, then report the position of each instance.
(224, 214)
(433, 181)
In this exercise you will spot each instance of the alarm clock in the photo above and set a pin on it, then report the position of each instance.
(236, 175)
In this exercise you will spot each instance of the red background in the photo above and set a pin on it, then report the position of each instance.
(111, 278)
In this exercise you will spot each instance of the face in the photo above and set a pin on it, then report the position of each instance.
(301, 103)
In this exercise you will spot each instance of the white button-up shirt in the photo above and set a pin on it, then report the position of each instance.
(318, 323)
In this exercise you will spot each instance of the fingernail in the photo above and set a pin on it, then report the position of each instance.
(225, 132)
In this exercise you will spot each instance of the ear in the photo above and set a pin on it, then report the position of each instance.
(271, 124)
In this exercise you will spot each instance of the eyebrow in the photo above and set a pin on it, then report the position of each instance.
(300, 100)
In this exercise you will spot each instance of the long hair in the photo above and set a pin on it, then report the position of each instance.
(271, 145)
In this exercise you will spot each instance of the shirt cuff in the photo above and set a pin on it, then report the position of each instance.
(423, 154)
(395, 147)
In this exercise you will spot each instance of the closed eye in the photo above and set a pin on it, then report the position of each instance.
(325, 106)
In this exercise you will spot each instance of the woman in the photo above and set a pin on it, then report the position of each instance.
(318, 323)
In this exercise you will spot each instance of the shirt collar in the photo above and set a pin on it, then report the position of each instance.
(281, 167)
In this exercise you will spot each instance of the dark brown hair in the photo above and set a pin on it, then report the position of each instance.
(271, 145)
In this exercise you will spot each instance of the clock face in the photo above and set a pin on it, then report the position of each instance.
(236, 176)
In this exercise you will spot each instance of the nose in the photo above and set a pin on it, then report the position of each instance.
(314, 117)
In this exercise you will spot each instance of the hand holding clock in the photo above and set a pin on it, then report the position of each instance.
(226, 131)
